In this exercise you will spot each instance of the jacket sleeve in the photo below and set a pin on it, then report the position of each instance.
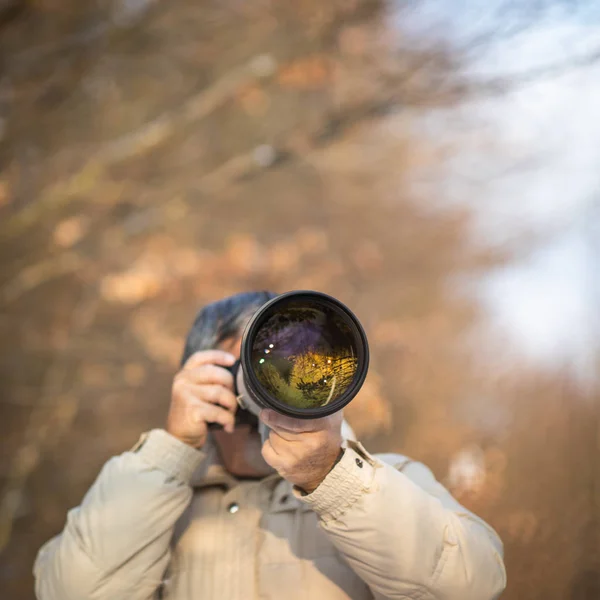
(116, 544)
(404, 534)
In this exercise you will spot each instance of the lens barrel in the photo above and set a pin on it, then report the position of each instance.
(304, 354)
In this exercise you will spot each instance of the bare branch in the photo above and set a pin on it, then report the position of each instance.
(142, 141)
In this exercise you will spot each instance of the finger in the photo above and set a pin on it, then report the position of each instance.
(297, 445)
(270, 455)
(279, 436)
(215, 394)
(283, 423)
(205, 412)
(209, 357)
(210, 374)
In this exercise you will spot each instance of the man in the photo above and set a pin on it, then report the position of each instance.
(193, 514)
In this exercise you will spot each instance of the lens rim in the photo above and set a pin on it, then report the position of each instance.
(267, 400)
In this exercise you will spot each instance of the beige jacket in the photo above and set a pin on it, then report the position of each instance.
(166, 521)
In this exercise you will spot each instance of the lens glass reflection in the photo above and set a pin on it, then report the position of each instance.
(305, 354)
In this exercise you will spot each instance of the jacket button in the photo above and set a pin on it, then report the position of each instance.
(359, 463)
(233, 508)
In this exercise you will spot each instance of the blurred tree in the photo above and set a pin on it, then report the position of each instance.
(155, 157)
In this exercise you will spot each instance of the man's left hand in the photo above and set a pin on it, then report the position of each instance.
(303, 451)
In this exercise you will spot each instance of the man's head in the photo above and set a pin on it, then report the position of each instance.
(220, 326)
(222, 322)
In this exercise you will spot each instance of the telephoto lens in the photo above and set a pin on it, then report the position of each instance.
(304, 354)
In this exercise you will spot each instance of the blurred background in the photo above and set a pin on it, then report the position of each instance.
(434, 164)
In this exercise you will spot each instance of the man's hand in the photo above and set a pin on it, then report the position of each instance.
(303, 451)
(202, 393)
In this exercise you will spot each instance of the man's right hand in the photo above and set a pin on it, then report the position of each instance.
(202, 393)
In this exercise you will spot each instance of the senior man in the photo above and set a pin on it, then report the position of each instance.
(195, 514)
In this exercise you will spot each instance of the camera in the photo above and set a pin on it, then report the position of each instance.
(303, 354)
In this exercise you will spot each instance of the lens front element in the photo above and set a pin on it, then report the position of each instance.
(305, 353)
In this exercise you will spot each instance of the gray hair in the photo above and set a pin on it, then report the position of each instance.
(222, 320)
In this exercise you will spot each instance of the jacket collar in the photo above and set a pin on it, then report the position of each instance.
(212, 473)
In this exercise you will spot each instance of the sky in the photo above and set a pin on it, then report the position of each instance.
(527, 162)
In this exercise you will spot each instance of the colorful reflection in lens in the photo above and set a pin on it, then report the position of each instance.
(305, 354)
